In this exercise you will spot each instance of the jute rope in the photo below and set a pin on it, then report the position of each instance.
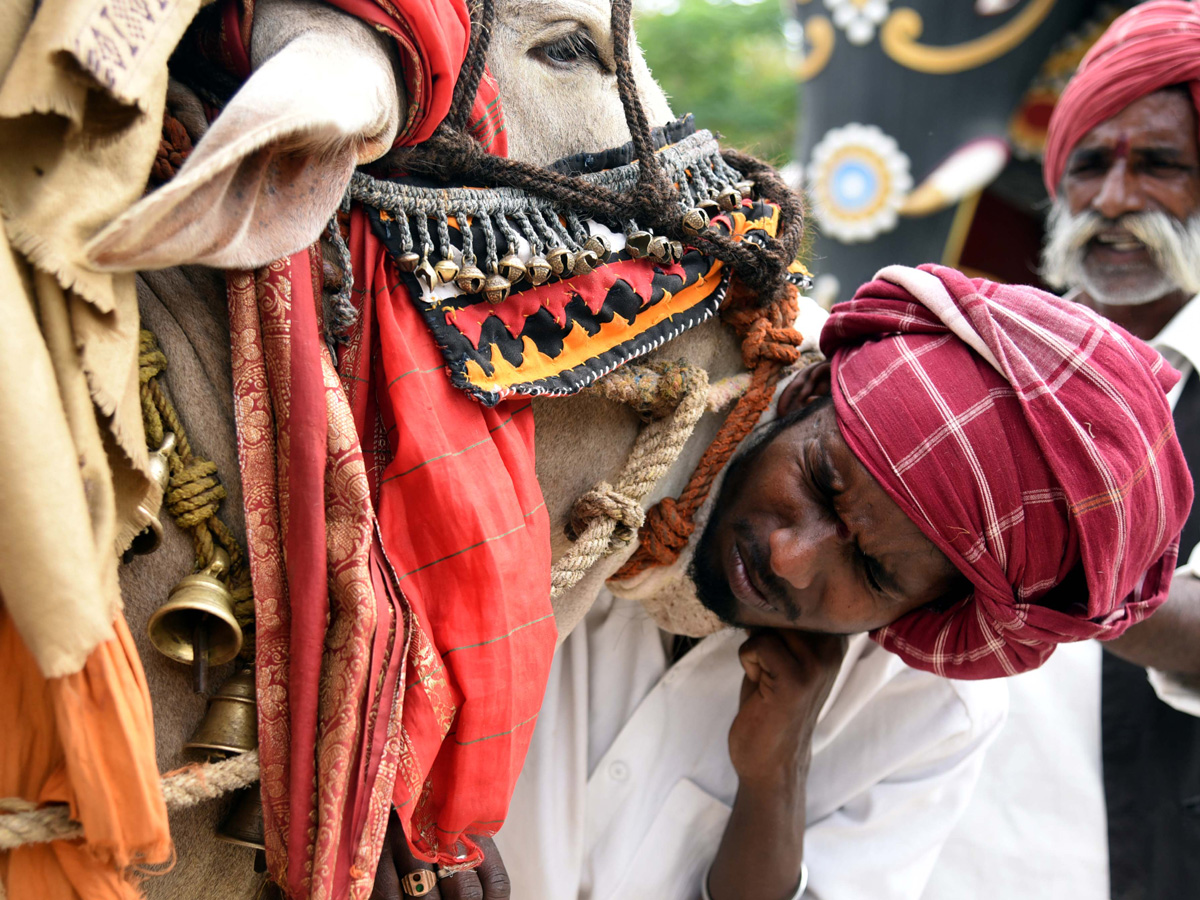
(19, 824)
(194, 493)
(673, 396)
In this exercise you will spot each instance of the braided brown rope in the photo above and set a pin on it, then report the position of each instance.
(194, 493)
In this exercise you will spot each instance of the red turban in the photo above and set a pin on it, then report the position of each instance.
(1151, 47)
(1026, 436)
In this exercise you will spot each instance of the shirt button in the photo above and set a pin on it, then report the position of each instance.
(618, 771)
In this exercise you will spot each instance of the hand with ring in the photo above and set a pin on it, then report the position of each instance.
(401, 876)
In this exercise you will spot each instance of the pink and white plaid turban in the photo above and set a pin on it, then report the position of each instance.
(1025, 436)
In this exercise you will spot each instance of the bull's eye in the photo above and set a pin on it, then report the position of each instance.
(574, 49)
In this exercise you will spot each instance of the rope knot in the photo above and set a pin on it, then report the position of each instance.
(764, 341)
(605, 500)
(195, 493)
(151, 360)
(667, 531)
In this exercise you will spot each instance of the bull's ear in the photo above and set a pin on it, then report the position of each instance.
(271, 170)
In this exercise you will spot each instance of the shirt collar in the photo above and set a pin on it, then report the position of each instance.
(1182, 333)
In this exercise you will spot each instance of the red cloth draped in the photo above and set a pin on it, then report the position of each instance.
(1026, 436)
(398, 541)
(1153, 46)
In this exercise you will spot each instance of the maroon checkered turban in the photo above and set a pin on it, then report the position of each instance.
(1025, 436)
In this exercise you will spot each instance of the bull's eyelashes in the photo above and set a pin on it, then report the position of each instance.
(577, 48)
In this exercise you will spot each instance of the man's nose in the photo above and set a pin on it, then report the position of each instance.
(1118, 193)
(800, 553)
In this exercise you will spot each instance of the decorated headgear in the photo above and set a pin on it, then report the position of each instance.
(1025, 436)
(1151, 47)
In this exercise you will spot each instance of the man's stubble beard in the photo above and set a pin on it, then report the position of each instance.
(1174, 246)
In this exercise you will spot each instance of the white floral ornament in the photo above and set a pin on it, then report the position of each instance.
(858, 18)
(858, 179)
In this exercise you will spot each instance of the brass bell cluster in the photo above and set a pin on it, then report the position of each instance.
(708, 200)
(196, 625)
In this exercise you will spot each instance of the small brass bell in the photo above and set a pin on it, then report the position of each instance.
(538, 270)
(561, 261)
(729, 199)
(244, 824)
(495, 289)
(408, 262)
(446, 270)
(694, 221)
(149, 538)
(230, 726)
(677, 250)
(745, 188)
(470, 279)
(426, 274)
(512, 268)
(710, 208)
(196, 625)
(660, 249)
(599, 245)
(638, 244)
(585, 261)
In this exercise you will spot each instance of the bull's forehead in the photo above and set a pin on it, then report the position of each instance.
(596, 14)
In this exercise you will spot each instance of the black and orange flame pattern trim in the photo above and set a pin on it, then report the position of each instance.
(556, 339)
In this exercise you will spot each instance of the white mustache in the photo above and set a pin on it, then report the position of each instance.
(1174, 245)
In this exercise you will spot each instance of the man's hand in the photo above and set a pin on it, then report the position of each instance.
(487, 882)
(788, 677)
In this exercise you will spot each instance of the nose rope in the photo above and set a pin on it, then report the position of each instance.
(769, 344)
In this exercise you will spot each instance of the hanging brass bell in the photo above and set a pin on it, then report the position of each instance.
(694, 221)
(511, 268)
(660, 249)
(638, 244)
(244, 825)
(745, 188)
(677, 250)
(149, 538)
(446, 270)
(495, 289)
(230, 726)
(729, 199)
(538, 270)
(200, 606)
(710, 208)
(470, 279)
(599, 245)
(408, 262)
(426, 274)
(585, 261)
(561, 261)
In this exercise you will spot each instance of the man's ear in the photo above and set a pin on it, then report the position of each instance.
(270, 172)
(811, 383)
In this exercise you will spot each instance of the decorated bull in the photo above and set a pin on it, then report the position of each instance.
(399, 631)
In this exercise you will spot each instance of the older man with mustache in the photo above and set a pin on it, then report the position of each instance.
(1093, 791)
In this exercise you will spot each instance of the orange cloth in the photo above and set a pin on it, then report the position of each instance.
(87, 740)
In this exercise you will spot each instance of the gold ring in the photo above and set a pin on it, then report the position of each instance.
(418, 883)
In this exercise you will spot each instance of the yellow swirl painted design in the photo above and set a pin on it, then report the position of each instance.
(899, 38)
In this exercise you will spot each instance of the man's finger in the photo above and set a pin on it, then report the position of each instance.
(416, 877)
(492, 873)
(461, 886)
(779, 669)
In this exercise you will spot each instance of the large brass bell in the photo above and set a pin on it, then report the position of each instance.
(408, 262)
(244, 824)
(729, 199)
(196, 625)
(149, 538)
(230, 726)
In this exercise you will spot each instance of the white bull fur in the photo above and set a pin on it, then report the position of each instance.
(262, 183)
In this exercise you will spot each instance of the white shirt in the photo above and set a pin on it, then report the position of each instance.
(1037, 827)
(628, 784)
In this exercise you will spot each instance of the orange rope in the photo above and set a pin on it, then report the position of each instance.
(769, 343)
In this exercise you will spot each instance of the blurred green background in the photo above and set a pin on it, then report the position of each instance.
(732, 63)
